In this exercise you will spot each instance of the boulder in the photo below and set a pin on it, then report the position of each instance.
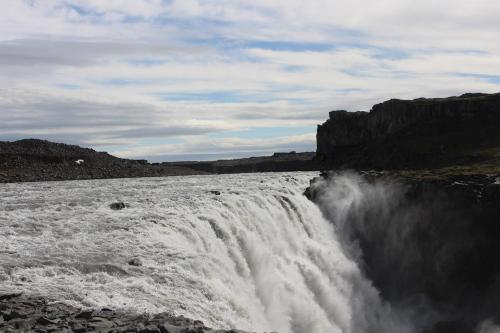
(135, 262)
(117, 205)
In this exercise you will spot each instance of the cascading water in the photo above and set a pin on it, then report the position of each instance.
(259, 256)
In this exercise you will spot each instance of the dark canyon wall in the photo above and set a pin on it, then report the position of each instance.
(430, 246)
(411, 133)
(427, 228)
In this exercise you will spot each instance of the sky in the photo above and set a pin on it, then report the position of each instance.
(207, 79)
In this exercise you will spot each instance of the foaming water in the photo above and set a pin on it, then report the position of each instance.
(258, 257)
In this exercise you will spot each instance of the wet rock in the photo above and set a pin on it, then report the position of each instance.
(57, 317)
(78, 328)
(135, 262)
(150, 329)
(13, 314)
(9, 296)
(117, 205)
(47, 321)
(84, 315)
(99, 323)
(168, 328)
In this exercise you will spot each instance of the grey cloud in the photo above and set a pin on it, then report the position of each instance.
(30, 114)
(33, 52)
(152, 132)
(316, 115)
(59, 112)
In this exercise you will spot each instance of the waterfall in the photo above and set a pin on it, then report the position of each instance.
(258, 257)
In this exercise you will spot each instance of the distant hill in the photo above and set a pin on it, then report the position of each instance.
(290, 161)
(40, 160)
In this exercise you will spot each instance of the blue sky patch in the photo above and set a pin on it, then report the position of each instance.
(69, 86)
(217, 97)
(125, 82)
(485, 77)
(146, 62)
(289, 46)
(265, 132)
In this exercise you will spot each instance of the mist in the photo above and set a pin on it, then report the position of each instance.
(424, 250)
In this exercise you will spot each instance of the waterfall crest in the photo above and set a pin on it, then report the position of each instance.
(259, 256)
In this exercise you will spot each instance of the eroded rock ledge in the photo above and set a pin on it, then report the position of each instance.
(412, 133)
(19, 313)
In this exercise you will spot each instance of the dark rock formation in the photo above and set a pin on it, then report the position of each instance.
(411, 133)
(135, 262)
(36, 314)
(117, 205)
(427, 228)
(39, 160)
(430, 245)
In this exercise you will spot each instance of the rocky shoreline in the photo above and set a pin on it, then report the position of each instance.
(24, 313)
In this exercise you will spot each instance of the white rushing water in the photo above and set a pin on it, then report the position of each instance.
(258, 257)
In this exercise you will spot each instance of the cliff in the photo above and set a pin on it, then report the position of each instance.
(409, 134)
(430, 245)
(426, 228)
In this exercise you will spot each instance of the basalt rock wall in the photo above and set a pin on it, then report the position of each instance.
(408, 133)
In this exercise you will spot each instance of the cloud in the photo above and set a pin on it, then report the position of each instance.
(227, 147)
(115, 73)
(28, 52)
(97, 121)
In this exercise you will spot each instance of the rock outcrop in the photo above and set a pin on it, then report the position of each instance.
(411, 133)
(40, 160)
(20, 313)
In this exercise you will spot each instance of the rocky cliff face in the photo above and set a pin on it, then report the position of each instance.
(409, 133)
(426, 228)
(430, 245)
